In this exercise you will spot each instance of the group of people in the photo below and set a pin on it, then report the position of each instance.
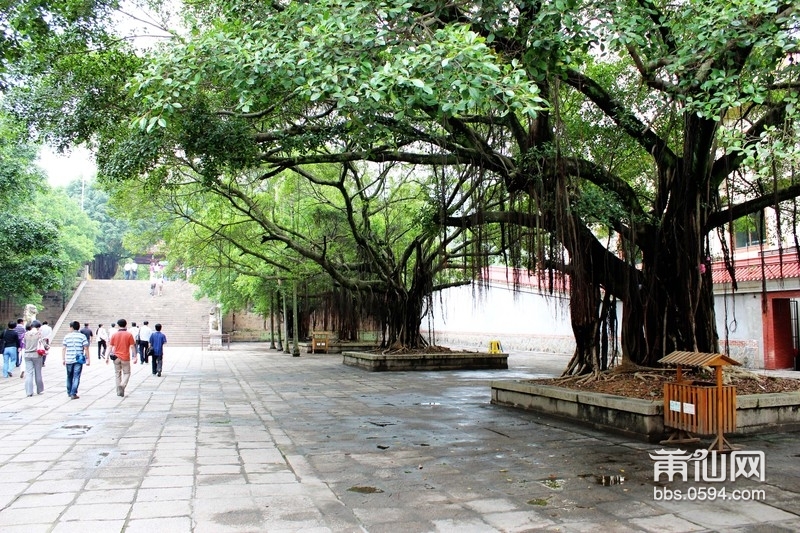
(31, 343)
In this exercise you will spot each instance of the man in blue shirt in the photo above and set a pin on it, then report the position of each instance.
(157, 342)
(74, 355)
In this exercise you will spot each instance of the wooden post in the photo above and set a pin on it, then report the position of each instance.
(720, 433)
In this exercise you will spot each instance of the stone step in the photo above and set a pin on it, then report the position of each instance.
(184, 318)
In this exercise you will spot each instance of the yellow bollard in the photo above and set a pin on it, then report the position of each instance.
(495, 346)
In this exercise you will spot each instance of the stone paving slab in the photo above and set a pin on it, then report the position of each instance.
(251, 440)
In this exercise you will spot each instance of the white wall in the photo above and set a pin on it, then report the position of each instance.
(526, 320)
(532, 321)
(743, 315)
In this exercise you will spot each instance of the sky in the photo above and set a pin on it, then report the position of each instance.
(63, 169)
(133, 21)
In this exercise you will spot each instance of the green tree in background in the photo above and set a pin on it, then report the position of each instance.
(75, 231)
(109, 248)
(351, 234)
(34, 258)
(35, 32)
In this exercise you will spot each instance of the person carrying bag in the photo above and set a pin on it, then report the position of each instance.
(34, 343)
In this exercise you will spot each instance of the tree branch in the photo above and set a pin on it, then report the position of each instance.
(732, 161)
(755, 205)
(621, 116)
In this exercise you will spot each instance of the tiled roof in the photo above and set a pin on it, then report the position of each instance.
(501, 274)
(746, 269)
(750, 269)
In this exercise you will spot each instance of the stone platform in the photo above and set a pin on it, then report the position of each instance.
(642, 419)
(427, 361)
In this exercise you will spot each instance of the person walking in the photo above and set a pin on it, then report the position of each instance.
(157, 342)
(102, 341)
(20, 329)
(134, 330)
(143, 341)
(33, 360)
(47, 335)
(10, 341)
(74, 355)
(87, 332)
(122, 348)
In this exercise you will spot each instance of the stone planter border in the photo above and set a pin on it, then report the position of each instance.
(642, 419)
(426, 361)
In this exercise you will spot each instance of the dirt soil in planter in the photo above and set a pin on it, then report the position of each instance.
(414, 351)
(649, 385)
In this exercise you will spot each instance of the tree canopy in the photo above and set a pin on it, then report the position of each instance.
(44, 236)
(603, 139)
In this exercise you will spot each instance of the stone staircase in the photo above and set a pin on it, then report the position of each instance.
(183, 318)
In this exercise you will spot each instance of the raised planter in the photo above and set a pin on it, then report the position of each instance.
(643, 419)
(426, 361)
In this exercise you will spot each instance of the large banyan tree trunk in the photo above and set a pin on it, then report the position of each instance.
(678, 307)
(405, 307)
(104, 266)
(674, 307)
(402, 320)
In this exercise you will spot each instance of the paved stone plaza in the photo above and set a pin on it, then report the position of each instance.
(252, 440)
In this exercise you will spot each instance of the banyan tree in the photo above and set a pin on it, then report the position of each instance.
(609, 139)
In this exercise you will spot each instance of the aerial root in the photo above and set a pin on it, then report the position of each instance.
(645, 376)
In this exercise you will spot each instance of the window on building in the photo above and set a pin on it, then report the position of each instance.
(749, 230)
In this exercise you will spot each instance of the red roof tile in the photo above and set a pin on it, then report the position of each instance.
(501, 274)
(750, 269)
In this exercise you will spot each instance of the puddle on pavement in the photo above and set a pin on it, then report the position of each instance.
(72, 430)
(553, 483)
(102, 458)
(78, 427)
(607, 481)
(538, 501)
(365, 490)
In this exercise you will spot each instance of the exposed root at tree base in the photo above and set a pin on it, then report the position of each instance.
(648, 383)
(399, 349)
